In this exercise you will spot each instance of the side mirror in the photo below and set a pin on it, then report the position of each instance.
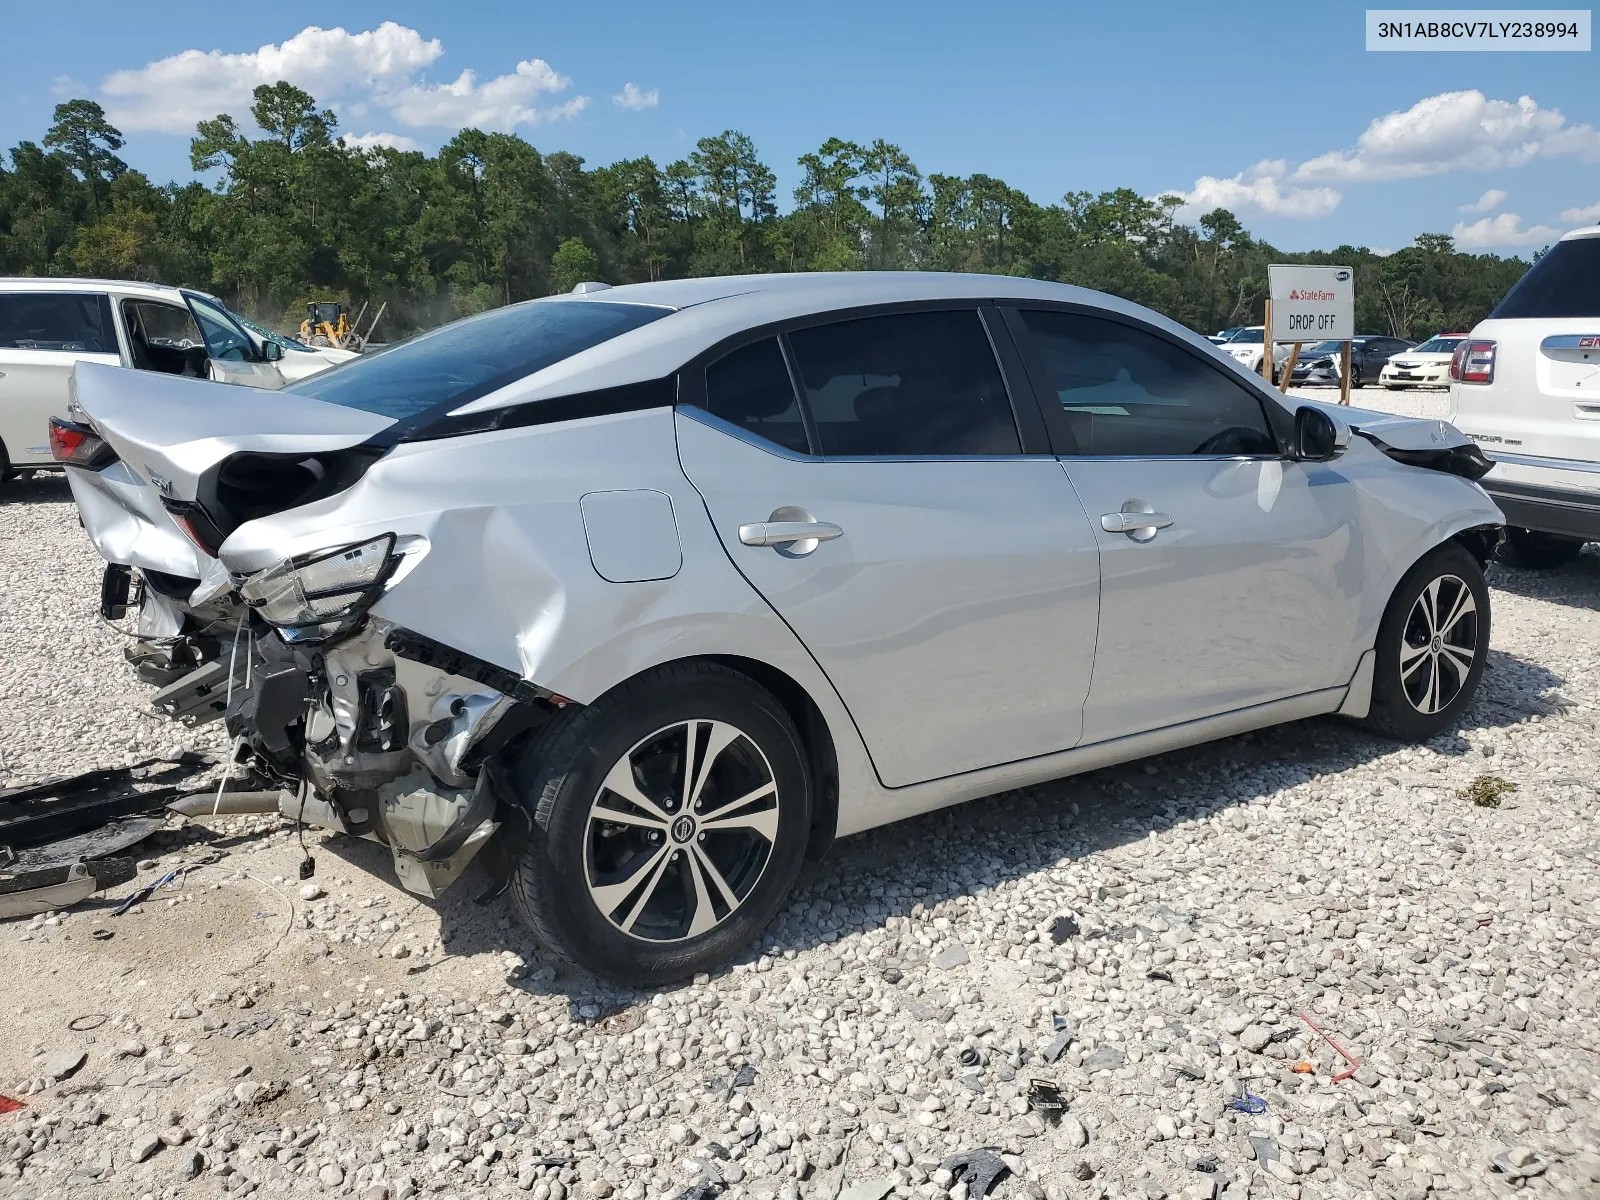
(1318, 436)
(271, 351)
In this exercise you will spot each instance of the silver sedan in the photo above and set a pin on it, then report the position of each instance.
(639, 596)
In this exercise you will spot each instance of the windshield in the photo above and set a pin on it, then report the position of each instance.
(472, 357)
(261, 331)
(1246, 335)
(1438, 346)
(1564, 283)
(1321, 348)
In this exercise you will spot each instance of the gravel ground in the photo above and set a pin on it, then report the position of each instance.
(1156, 941)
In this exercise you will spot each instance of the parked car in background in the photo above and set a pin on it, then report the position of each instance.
(299, 361)
(650, 592)
(1525, 385)
(1427, 365)
(47, 326)
(1244, 347)
(1223, 335)
(1368, 354)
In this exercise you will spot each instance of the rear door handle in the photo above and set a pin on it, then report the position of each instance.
(781, 533)
(1128, 522)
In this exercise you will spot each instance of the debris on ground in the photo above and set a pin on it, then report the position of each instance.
(1485, 791)
(979, 1169)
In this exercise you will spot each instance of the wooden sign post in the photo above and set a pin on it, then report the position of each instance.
(1306, 303)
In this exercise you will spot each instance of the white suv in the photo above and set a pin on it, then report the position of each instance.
(1525, 385)
(47, 326)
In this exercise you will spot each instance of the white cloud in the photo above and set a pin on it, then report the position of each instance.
(1260, 189)
(373, 141)
(1589, 215)
(1488, 202)
(173, 93)
(634, 97)
(1503, 230)
(355, 73)
(1454, 131)
(499, 104)
(66, 85)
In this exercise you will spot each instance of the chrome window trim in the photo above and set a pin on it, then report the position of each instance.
(1571, 341)
(1548, 464)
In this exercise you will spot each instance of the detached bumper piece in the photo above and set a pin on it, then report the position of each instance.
(62, 840)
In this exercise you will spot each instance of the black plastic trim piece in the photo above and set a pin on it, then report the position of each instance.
(424, 650)
(1547, 510)
(1466, 461)
(603, 402)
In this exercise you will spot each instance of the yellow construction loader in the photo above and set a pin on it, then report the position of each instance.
(327, 323)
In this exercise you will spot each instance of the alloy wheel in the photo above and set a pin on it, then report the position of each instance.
(1439, 644)
(681, 831)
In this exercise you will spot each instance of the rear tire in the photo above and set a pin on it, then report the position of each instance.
(1535, 551)
(1432, 645)
(639, 869)
(5, 464)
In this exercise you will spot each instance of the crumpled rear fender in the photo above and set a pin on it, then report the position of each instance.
(124, 519)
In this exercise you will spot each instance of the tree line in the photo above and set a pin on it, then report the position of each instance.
(297, 214)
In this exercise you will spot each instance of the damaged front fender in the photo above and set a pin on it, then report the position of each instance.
(1416, 441)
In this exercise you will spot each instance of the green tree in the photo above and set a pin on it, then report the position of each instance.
(573, 263)
(83, 136)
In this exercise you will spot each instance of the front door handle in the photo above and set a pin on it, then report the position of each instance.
(1130, 522)
(781, 533)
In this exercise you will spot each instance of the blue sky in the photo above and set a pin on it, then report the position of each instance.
(1274, 110)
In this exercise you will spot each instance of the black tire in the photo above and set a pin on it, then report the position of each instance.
(1402, 705)
(1535, 551)
(1355, 377)
(5, 464)
(561, 777)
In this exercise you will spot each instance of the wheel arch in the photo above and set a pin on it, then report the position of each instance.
(1480, 541)
(822, 757)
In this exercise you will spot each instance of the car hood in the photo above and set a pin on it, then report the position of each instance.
(1411, 356)
(170, 430)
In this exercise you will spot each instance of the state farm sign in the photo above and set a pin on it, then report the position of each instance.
(1312, 304)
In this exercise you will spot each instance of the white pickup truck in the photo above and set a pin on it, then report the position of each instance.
(1525, 385)
(48, 326)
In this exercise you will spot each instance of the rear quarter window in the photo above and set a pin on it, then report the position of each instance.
(1565, 282)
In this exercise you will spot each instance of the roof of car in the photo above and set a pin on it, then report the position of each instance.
(1588, 231)
(49, 283)
(710, 311)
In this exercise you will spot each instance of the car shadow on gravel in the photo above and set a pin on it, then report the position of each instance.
(885, 873)
(48, 487)
(1576, 583)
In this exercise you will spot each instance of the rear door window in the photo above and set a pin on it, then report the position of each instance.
(63, 321)
(1124, 392)
(751, 388)
(919, 384)
(1565, 282)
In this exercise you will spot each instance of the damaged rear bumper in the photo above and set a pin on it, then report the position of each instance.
(390, 736)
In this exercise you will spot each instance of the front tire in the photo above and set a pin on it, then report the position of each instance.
(1433, 643)
(1535, 551)
(671, 818)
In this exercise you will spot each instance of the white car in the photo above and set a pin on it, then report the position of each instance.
(1427, 365)
(651, 591)
(1525, 385)
(299, 361)
(47, 326)
(1244, 347)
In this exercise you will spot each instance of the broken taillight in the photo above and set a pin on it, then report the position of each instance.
(78, 445)
(1473, 362)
